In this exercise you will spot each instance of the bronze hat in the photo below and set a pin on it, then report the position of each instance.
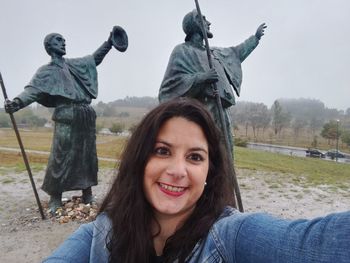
(119, 38)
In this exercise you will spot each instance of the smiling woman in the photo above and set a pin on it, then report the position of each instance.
(171, 203)
(175, 175)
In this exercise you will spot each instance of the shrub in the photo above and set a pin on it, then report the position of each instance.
(240, 142)
(117, 127)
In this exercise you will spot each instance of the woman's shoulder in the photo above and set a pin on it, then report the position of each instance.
(230, 214)
(230, 222)
(101, 231)
(228, 225)
(102, 224)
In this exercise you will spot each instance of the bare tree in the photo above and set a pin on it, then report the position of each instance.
(280, 118)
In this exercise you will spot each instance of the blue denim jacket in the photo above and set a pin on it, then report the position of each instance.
(235, 237)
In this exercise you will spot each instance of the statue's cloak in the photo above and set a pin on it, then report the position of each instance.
(187, 60)
(66, 80)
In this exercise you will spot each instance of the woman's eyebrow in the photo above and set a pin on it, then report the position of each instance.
(163, 142)
(202, 149)
(195, 148)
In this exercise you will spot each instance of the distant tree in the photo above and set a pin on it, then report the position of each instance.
(298, 125)
(258, 116)
(314, 142)
(35, 121)
(124, 114)
(239, 114)
(347, 112)
(277, 113)
(105, 109)
(253, 117)
(346, 123)
(141, 102)
(41, 111)
(99, 108)
(331, 114)
(329, 131)
(315, 124)
(132, 128)
(4, 120)
(99, 127)
(304, 109)
(280, 118)
(117, 127)
(26, 117)
(109, 111)
(235, 127)
(345, 137)
(265, 119)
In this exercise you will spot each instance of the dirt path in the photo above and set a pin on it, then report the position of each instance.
(24, 237)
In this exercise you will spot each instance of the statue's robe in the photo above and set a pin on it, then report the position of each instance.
(69, 87)
(187, 60)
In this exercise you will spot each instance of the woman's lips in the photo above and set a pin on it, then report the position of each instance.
(172, 190)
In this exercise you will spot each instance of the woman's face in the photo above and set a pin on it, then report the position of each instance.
(176, 172)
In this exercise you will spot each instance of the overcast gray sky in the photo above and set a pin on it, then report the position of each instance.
(304, 53)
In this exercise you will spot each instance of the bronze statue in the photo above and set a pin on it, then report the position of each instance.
(188, 73)
(69, 85)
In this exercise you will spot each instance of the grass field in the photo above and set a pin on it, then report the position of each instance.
(40, 140)
(311, 171)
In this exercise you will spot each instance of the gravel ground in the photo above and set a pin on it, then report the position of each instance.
(25, 237)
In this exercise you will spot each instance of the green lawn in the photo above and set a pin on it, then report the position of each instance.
(315, 171)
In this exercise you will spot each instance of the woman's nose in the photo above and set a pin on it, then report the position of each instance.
(177, 168)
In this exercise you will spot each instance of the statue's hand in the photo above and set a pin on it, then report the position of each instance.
(210, 76)
(12, 106)
(260, 31)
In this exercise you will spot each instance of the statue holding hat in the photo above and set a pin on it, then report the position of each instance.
(188, 73)
(69, 85)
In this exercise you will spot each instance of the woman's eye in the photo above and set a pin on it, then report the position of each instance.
(162, 151)
(196, 157)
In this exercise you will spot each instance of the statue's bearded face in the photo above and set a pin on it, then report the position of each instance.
(206, 26)
(192, 24)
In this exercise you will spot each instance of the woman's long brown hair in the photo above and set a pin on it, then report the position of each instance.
(130, 213)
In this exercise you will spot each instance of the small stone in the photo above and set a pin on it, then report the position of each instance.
(71, 213)
(69, 205)
(86, 209)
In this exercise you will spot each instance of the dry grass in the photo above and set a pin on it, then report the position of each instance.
(40, 140)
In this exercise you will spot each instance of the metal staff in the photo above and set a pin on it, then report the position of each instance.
(221, 112)
(22, 150)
